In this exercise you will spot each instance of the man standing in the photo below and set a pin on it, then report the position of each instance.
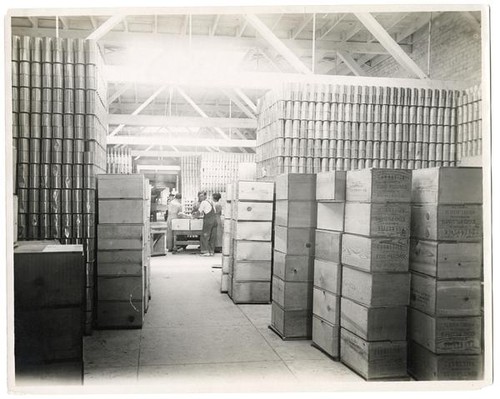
(209, 233)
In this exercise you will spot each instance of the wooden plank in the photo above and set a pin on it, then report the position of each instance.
(446, 260)
(373, 324)
(376, 254)
(291, 323)
(378, 289)
(326, 336)
(119, 269)
(378, 220)
(328, 245)
(252, 271)
(461, 223)
(294, 241)
(296, 186)
(373, 360)
(295, 213)
(327, 276)
(445, 298)
(120, 256)
(121, 211)
(226, 260)
(330, 186)
(292, 295)
(252, 231)
(120, 314)
(330, 216)
(120, 236)
(351, 63)
(224, 283)
(251, 250)
(254, 191)
(251, 292)
(448, 185)
(446, 335)
(326, 305)
(120, 288)
(181, 224)
(227, 244)
(292, 267)
(254, 211)
(378, 185)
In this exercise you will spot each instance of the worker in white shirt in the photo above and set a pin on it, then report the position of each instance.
(209, 233)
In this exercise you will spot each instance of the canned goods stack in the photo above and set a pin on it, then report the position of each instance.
(119, 161)
(469, 123)
(227, 258)
(190, 181)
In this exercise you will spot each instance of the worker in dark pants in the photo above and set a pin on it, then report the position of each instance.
(209, 233)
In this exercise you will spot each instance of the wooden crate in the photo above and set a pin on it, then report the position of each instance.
(373, 360)
(227, 244)
(327, 275)
(445, 260)
(378, 185)
(462, 223)
(446, 335)
(251, 291)
(224, 283)
(326, 305)
(121, 236)
(296, 186)
(376, 254)
(292, 295)
(295, 213)
(252, 231)
(291, 323)
(327, 245)
(423, 365)
(330, 216)
(293, 267)
(181, 224)
(251, 250)
(326, 336)
(378, 220)
(294, 241)
(120, 287)
(373, 323)
(226, 260)
(445, 298)
(254, 191)
(121, 211)
(118, 269)
(254, 211)
(376, 289)
(120, 314)
(330, 186)
(252, 271)
(440, 185)
(116, 186)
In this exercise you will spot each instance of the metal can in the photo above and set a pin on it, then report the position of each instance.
(33, 226)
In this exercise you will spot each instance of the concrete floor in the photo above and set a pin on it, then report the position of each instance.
(195, 339)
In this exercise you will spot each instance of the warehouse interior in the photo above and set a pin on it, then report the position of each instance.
(347, 149)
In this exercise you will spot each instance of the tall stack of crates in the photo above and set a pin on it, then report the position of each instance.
(330, 197)
(445, 323)
(123, 251)
(295, 221)
(252, 209)
(375, 273)
(226, 240)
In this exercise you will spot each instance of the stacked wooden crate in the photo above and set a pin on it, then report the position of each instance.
(251, 232)
(445, 323)
(295, 222)
(375, 273)
(469, 123)
(226, 240)
(123, 251)
(330, 197)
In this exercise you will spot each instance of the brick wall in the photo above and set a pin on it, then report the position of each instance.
(455, 51)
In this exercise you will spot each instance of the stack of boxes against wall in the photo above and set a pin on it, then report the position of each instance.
(251, 233)
(59, 130)
(375, 272)
(305, 128)
(226, 239)
(118, 161)
(295, 222)
(469, 120)
(123, 250)
(330, 197)
(445, 323)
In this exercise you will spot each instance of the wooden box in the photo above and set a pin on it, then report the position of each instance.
(120, 236)
(327, 275)
(291, 323)
(254, 191)
(448, 185)
(294, 241)
(330, 216)
(378, 220)
(227, 244)
(224, 283)
(293, 267)
(326, 305)
(423, 365)
(295, 213)
(376, 254)
(296, 186)
(378, 185)
(251, 292)
(292, 295)
(330, 186)
(120, 186)
(227, 225)
(373, 360)
(256, 211)
(373, 324)
(117, 263)
(252, 271)
(461, 223)
(252, 231)
(121, 211)
(445, 298)
(120, 314)
(196, 224)
(376, 289)
(327, 245)
(445, 260)
(326, 336)
(226, 260)
(120, 288)
(446, 335)
(251, 250)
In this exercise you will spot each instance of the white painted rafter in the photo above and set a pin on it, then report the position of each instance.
(239, 104)
(178, 142)
(327, 29)
(34, 22)
(105, 27)
(246, 99)
(215, 23)
(351, 63)
(241, 28)
(181, 121)
(307, 19)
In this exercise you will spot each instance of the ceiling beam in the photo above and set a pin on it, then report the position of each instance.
(180, 121)
(307, 19)
(327, 29)
(390, 44)
(241, 28)
(164, 154)
(475, 24)
(277, 44)
(112, 98)
(351, 63)
(350, 34)
(105, 27)
(277, 22)
(125, 24)
(239, 104)
(179, 142)
(184, 26)
(34, 22)
(64, 22)
(270, 59)
(215, 23)
(246, 99)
